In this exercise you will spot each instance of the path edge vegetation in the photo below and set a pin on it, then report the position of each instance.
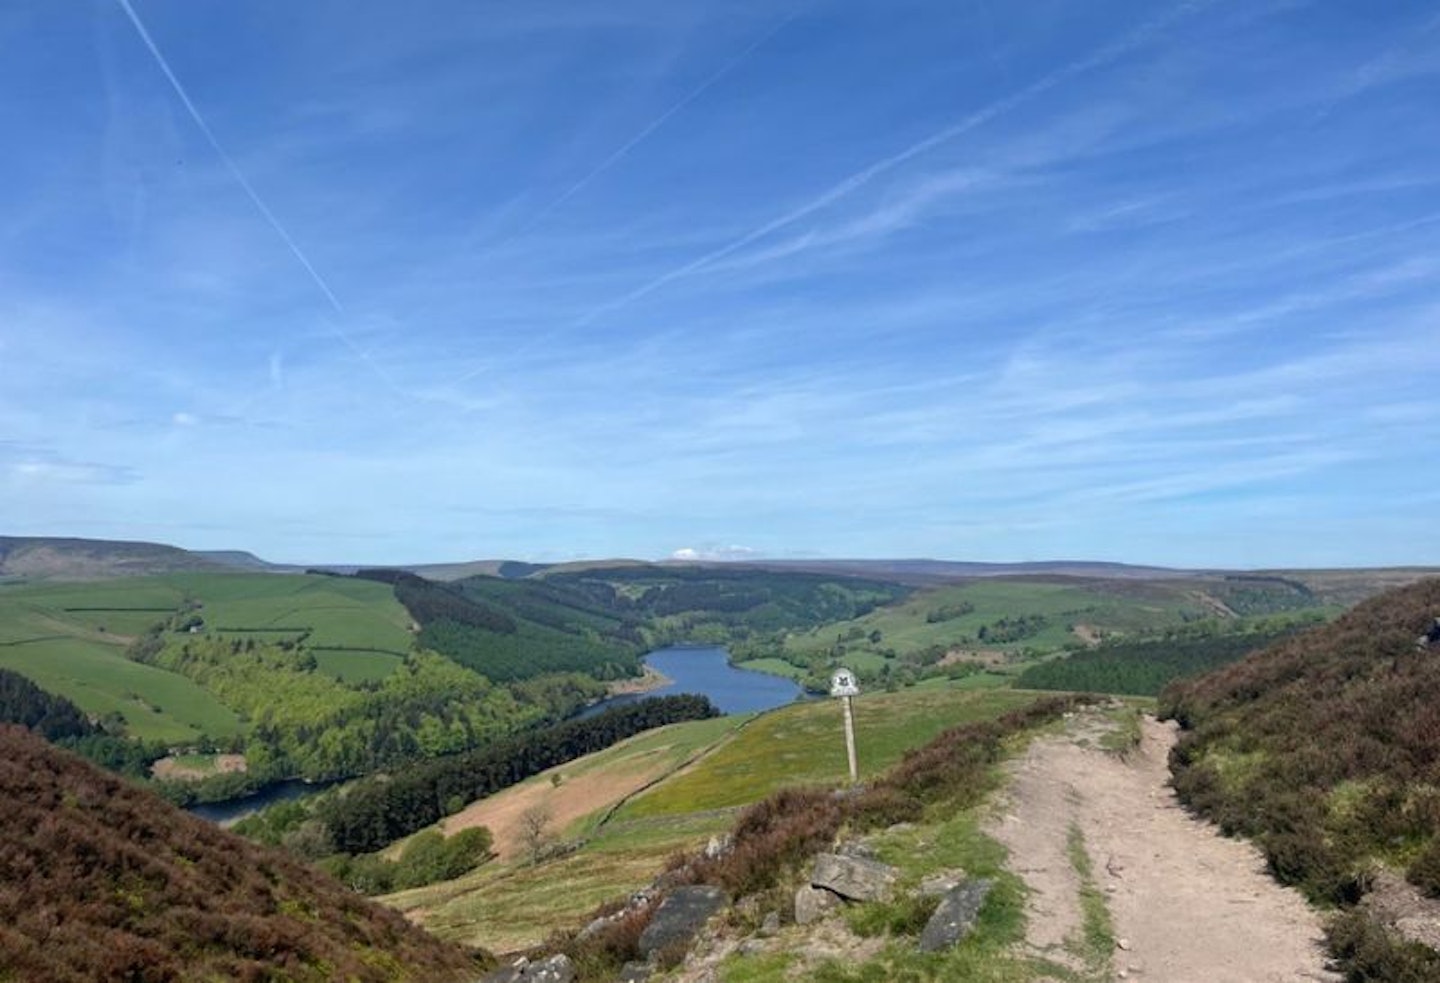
(1324, 750)
(773, 839)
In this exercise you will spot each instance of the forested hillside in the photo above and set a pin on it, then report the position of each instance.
(101, 881)
(304, 723)
(600, 620)
(679, 603)
(1144, 666)
(52, 717)
(510, 630)
(1325, 749)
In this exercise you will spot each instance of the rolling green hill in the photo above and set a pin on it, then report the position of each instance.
(1002, 624)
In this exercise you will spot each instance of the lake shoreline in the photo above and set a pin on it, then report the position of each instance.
(649, 681)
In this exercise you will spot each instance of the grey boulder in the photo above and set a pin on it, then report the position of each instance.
(680, 917)
(955, 916)
(812, 903)
(853, 878)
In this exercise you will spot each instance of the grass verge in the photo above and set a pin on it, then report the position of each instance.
(1096, 941)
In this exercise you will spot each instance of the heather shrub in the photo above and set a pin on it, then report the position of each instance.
(885, 805)
(1369, 953)
(1424, 870)
(1325, 748)
(601, 953)
(772, 838)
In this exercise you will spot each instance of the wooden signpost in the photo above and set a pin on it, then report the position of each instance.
(842, 684)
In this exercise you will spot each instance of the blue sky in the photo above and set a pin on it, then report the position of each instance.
(1140, 281)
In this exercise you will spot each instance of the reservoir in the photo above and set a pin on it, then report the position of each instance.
(233, 810)
(704, 669)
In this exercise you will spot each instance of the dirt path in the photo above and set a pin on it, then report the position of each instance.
(1187, 905)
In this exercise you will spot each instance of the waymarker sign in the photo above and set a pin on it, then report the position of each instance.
(843, 685)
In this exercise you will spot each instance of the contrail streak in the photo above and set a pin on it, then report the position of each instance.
(859, 179)
(616, 156)
(655, 124)
(251, 193)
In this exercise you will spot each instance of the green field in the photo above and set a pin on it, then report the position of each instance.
(776, 667)
(338, 612)
(157, 705)
(70, 638)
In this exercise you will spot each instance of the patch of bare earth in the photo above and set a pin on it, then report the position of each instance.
(989, 658)
(1187, 904)
(1399, 905)
(650, 680)
(173, 769)
(504, 813)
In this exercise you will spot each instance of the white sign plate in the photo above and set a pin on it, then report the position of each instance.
(842, 683)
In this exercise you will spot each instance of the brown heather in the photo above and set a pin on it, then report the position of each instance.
(1325, 749)
(102, 881)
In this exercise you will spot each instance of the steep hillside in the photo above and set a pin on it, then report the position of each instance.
(1325, 748)
(102, 881)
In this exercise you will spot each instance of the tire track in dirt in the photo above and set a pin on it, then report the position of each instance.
(1188, 905)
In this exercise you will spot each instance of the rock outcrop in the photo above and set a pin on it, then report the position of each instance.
(556, 969)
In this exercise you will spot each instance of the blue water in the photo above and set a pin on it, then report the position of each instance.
(691, 668)
(233, 810)
(703, 669)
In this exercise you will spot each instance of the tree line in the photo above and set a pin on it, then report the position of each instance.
(377, 812)
(1145, 666)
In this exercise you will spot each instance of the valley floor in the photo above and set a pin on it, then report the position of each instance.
(1184, 903)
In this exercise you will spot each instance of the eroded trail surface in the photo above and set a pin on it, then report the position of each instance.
(1187, 904)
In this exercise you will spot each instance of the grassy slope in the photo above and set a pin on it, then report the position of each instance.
(1116, 606)
(80, 655)
(70, 638)
(508, 905)
(514, 904)
(804, 744)
(157, 705)
(340, 613)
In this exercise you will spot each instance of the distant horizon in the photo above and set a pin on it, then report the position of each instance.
(723, 557)
(553, 280)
